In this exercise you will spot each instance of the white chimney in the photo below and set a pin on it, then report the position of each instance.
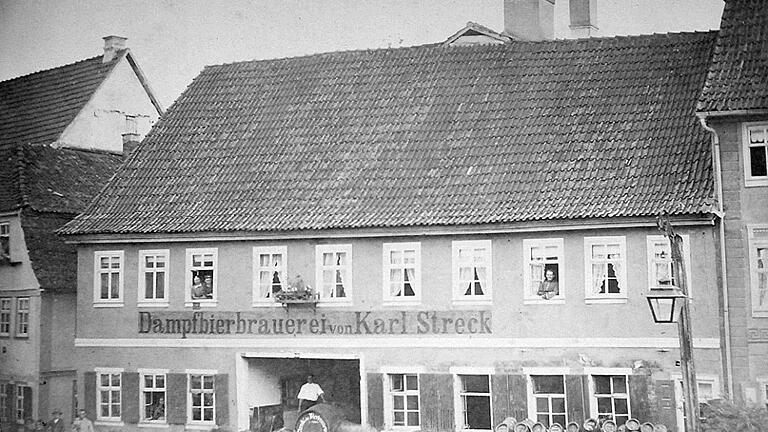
(529, 19)
(583, 17)
(112, 44)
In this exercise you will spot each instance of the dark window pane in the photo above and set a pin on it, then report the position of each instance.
(604, 405)
(621, 406)
(399, 418)
(543, 419)
(542, 405)
(413, 402)
(412, 381)
(558, 405)
(548, 384)
(757, 161)
(619, 384)
(620, 420)
(478, 412)
(148, 286)
(476, 383)
(559, 419)
(397, 382)
(413, 419)
(398, 402)
(160, 284)
(602, 384)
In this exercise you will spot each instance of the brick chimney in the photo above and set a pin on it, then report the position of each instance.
(131, 140)
(583, 17)
(532, 20)
(112, 44)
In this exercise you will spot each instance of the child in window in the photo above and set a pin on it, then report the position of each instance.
(549, 287)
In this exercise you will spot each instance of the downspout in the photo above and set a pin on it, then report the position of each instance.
(724, 269)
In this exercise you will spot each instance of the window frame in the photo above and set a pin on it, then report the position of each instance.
(458, 287)
(141, 281)
(530, 297)
(749, 179)
(589, 295)
(142, 389)
(320, 268)
(458, 406)
(188, 268)
(4, 414)
(256, 298)
(757, 237)
(110, 388)
(677, 379)
(650, 242)
(6, 313)
(532, 406)
(5, 232)
(201, 372)
(387, 249)
(22, 317)
(600, 371)
(97, 271)
(389, 411)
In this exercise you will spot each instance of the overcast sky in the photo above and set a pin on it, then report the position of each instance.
(174, 39)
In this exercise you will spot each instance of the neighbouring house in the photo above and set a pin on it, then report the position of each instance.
(734, 106)
(62, 132)
(477, 223)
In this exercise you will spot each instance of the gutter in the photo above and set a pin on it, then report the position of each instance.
(728, 375)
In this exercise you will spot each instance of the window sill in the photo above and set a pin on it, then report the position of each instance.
(205, 304)
(108, 423)
(153, 425)
(605, 300)
(757, 182)
(330, 304)
(146, 304)
(21, 336)
(542, 301)
(398, 303)
(759, 314)
(201, 426)
(108, 305)
(266, 304)
(471, 302)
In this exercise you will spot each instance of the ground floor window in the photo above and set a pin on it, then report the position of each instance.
(109, 391)
(475, 396)
(23, 403)
(404, 396)
(3, 402)
(612, 397)
(202, 397)
(549, 399)
(153, 397)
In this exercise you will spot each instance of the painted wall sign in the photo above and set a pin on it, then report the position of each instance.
(396, 323)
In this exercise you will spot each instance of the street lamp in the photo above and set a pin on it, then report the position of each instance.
(666, 305)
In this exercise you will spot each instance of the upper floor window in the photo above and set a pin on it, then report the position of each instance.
(22, 317)
(153, 277)
(5, 317)
(202, 397)
(269, 268)
(131, 124)
(542, 271)
(661, 274)
(5, 241)
(109, 394)
(332, 264)
(756, 154)
(201, 276)
(758, 268)
(472, 270)
(108, 278)
(402, 271)
(606, 270)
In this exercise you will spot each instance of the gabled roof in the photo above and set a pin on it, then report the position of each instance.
(474, 29)
(36, 108)
(738, 77)
(424, 136)
(48, 179)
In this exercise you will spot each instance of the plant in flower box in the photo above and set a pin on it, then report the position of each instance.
(296, 291)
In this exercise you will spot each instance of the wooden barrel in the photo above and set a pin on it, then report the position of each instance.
(320, 418)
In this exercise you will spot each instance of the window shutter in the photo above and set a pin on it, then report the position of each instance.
(176, 401)
(665, 404)
(375, 400)
(221, 389)
(518, 396)
(89, 394)
(10, 397)
(27, 402)
(436, 397)
(638, 397)
(129, 397)
(500, 398)
(577, 398)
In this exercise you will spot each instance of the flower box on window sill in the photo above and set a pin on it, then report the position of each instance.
(305, 296)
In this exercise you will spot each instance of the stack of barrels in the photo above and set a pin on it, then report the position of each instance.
(510, 424)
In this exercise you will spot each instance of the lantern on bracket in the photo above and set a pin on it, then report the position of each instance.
(666, 305)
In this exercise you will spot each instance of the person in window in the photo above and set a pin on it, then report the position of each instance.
(309, 393)
(549, 287)
(198, 291)
(158, 409)
(208, 286)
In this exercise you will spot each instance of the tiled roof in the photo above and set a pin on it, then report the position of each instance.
(738, 76)
(431, 135)
(36, 108)
(53, 261)
(49, 179)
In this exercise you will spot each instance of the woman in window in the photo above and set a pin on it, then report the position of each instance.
(549, 287)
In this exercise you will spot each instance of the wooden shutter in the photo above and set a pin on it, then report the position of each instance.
(176, 400)
(27, 405)
(518, 396)
(500, 398)
(89, 394)
(577, 398)
(376, 400)
(221, 389)
(665, 404)
(130, 397)
(436, 398)
(638, 397)
(10, 401)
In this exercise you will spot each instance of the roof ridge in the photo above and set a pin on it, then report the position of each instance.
(119, 55)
